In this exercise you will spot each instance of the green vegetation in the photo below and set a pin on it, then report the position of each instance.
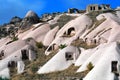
(39, 45)
(15, 38)
(63, 20)
(53, 25)
(62, 46)
(33, 68)
(68, 74)
(90, 66)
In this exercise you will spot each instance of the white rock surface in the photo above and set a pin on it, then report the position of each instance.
(5, 73)
(102, 69)
(84, 56)
(59, 62)
(39, 33)
(50, 36)
(20, 67)
(31, 14)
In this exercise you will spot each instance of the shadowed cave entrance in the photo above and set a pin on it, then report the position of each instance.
(12, 64)
(52, 47)
(24, 54)
(70, 30)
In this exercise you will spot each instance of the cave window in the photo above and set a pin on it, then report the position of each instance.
(99, 8)
(50, 48)
(114, 66)
(0, 57)
(24, 54)
(70, 30)
(93, 7)
(53, 47)
(86, 39)
(95, 41)
(12, 64)
(69, 56)
(1, 54)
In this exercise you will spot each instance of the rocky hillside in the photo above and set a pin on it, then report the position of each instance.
(61, 46)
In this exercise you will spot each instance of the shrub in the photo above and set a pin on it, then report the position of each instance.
(90, 66)
(53, 25)
(62, 46)
(39, 44)
(34, 68)
(15, 38)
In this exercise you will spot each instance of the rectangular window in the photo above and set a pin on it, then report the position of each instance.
(24, 54)
(94, 8)
(91, 8)
(114, 66)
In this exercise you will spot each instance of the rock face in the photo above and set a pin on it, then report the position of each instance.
(50, 36)
(38, 34)
(15, 20)
(20, 66)
(71, 31)
(103, 64)
(30, 18)
(24, 50)
(96, 39)
(62, 60)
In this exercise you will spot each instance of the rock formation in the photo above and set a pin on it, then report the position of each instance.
(30, 18)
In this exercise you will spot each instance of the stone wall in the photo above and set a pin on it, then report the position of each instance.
(93, 7)
(96, 7)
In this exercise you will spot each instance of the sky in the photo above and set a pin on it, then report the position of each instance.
(11, 8)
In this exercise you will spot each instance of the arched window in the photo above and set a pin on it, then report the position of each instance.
(70, 30)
